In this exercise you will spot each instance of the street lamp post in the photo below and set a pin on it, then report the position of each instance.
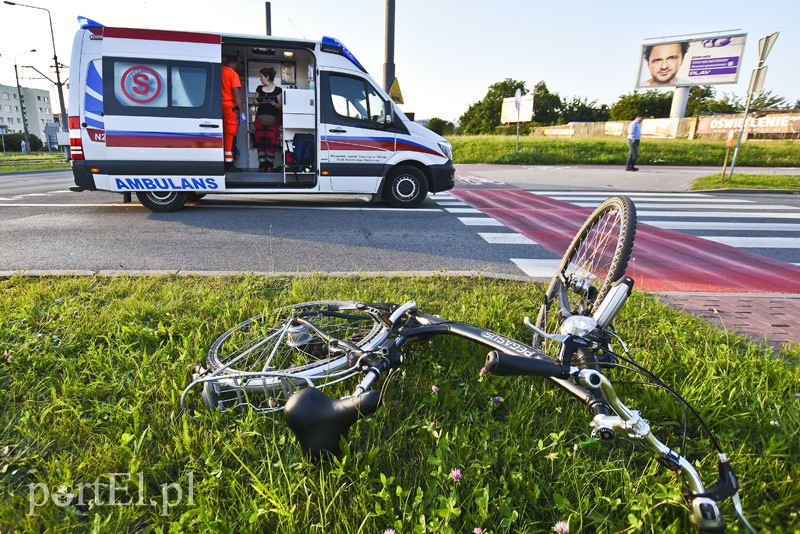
(22, 101)
(59, 85)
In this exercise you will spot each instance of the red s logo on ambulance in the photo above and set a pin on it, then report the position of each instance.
(141, 84)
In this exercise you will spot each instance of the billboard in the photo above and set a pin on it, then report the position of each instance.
(509, 112)
(705, 61)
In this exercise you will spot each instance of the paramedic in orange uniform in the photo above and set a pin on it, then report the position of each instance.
(231, 101)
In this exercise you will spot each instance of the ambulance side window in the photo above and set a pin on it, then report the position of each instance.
(161, 88)
(356, 101)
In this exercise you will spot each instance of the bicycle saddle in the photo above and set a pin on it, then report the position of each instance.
(319, 421)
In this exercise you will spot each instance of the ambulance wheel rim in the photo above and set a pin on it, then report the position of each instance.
(162, 197)
(162, 201)
(406, 188)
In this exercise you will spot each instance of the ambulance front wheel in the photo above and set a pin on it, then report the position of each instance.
(162, 200)
(407, 187)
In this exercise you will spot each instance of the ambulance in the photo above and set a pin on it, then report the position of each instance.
(145, 118)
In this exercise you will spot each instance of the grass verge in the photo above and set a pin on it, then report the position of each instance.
(92, 369)
(38, 161)
(748, 181)
(614, 151)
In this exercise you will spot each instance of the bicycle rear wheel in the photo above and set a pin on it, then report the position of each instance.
(263, 360)
(596, 258)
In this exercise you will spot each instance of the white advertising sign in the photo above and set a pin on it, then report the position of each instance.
(508, 113)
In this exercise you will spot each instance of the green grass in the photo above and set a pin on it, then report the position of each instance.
(36, 161)
(92, 369)
(748, 181)
(613, 151)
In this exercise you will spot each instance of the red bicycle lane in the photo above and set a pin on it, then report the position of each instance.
(661, 260)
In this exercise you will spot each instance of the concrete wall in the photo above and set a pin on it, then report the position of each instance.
(773, 126)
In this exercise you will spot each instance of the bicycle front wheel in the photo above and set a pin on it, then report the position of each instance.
(263, 360)
(596, 258)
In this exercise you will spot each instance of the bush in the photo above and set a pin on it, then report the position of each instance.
(14, 142)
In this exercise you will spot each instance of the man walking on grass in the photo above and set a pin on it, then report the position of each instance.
(634, 135)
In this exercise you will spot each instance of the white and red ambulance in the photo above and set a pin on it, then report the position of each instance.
(146, 118)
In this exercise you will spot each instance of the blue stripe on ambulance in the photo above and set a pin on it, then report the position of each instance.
(93, 98)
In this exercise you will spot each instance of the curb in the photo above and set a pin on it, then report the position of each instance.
(165, 272)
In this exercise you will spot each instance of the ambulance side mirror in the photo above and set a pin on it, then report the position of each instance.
(388, 114)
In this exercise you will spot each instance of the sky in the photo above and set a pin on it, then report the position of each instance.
(447, 52)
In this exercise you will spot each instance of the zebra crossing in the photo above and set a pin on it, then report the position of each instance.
(770, 230)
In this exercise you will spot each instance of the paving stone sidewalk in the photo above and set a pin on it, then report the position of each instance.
(771, 318)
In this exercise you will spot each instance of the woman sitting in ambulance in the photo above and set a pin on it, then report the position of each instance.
(268, 100)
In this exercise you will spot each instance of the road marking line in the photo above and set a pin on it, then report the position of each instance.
(714, 225)
(537, 268)
(754, 242)
(227, 206)
(717, 214)
(716, 207)
(462, 210)
(616, 193)
(506, 238)
(684, 200)
(480, 221)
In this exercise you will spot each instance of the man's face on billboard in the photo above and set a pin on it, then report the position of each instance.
(664, 62)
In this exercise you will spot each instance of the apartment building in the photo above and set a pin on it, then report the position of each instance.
(38, 110)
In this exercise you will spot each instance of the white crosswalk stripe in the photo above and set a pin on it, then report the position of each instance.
(506, 238)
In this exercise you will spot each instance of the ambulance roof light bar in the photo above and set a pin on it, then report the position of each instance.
(332, 44)
(87, 23)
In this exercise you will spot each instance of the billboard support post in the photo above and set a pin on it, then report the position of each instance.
(756, 84)
(679, 100)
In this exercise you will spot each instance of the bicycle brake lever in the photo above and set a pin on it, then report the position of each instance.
(560, 338)
(411, 304)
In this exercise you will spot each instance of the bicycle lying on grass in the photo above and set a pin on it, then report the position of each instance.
(282, 360)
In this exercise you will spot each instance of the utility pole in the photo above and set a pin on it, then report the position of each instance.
(22, 101)
(388, 67)
(268, 8)
(22, 109)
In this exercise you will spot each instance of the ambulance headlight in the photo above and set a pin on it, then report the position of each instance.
(447, 149)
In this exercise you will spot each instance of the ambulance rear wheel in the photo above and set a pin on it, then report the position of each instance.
(407, 187)
(162, 200)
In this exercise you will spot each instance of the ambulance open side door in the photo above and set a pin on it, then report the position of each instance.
(162, 110)
(355, 131)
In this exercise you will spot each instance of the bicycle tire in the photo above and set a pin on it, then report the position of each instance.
(597, 257)
(259, 355)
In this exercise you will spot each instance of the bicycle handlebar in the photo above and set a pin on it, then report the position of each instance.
(502, 364)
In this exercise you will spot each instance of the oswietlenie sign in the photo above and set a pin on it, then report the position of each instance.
(778, 123)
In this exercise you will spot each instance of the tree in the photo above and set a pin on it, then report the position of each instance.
(546, 105)
(728, 104)
(484, 116)
(699, 98)
(651, 103)
(440, 126)
(577, 109)
(766, 100)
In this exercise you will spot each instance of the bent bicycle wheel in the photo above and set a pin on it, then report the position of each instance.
(596, 258)
(261, 361)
